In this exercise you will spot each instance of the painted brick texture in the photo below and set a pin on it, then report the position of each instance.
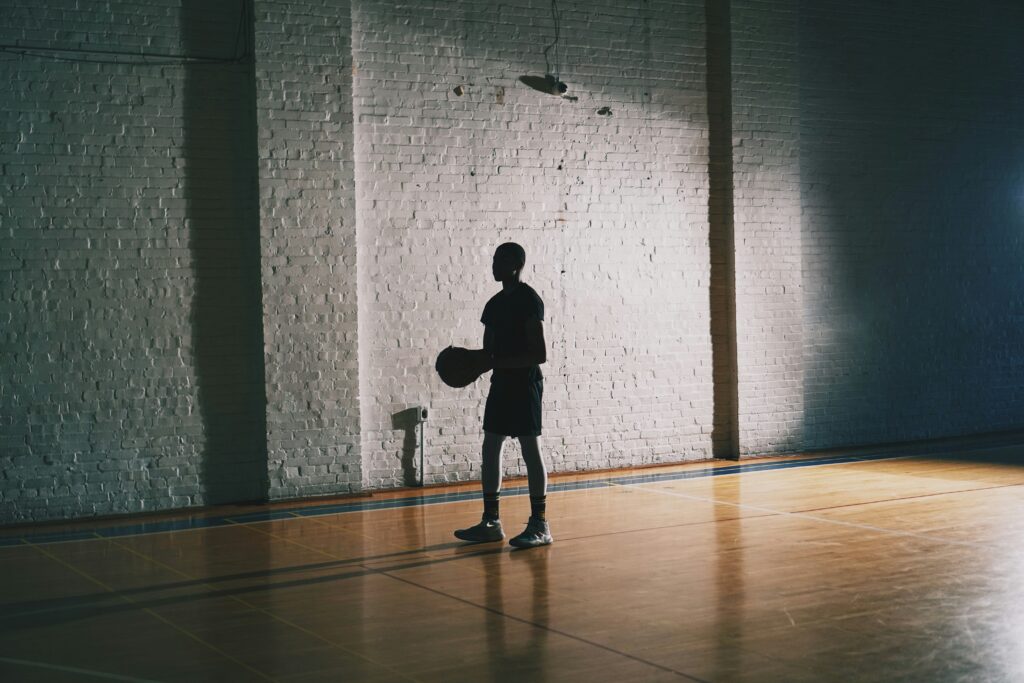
(114, 251)
(612, 211)
(229, 281)
(308, 246)
(766, 216)
(912, 157)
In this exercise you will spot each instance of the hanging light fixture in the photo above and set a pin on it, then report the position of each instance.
(549, 83)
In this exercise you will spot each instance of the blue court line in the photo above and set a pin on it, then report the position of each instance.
(416, 501)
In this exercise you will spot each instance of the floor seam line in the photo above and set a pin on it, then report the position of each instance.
(78, 670)
(152, 613)
(245, 603)
(334, 557)
(387, 572)
(923, 495)
(546, 628)
(866, 527)
(707, 472)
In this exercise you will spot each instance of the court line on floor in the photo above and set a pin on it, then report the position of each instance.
(802, 515)
(147, 528)
(914, 497)
(550, 629)
(159, 617)
(365, 565)
(387, 573)
(768, 511)
(76, 670)
(262, 610)
(371, 564)
(429, 554)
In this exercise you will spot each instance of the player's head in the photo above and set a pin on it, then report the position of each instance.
(509, 259)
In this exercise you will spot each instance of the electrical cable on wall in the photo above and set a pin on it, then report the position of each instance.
(558, 34)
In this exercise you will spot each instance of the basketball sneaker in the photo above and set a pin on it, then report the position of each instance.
(487, 530)
(537, 533)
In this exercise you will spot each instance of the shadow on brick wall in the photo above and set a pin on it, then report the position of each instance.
(721, 240)
(222, 218)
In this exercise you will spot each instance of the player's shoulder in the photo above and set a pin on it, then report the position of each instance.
(530, 303)
(494, 300)
(528, 292)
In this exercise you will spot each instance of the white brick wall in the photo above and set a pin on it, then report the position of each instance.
(766, 201)
(106, 265)
(221, 282)
(611, 210)
(911, 165)
(308, 245)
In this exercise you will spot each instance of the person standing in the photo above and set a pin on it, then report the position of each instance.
(514, 349)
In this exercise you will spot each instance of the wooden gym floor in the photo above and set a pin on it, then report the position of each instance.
(901, 566)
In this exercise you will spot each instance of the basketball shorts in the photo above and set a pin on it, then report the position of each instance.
(513, 407)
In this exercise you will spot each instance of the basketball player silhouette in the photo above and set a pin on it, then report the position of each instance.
(514, 348)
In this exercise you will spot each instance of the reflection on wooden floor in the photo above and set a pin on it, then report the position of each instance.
(910, 568)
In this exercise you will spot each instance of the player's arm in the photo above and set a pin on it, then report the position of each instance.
(489, 339)
(484, 357)
(536, 349)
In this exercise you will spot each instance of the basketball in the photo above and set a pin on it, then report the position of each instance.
(456, 367)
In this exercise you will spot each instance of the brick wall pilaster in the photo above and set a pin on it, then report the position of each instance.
(308, 246)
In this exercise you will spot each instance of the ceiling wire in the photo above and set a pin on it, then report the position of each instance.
(555, 15)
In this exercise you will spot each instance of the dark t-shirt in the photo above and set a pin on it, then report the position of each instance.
(506, 314)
